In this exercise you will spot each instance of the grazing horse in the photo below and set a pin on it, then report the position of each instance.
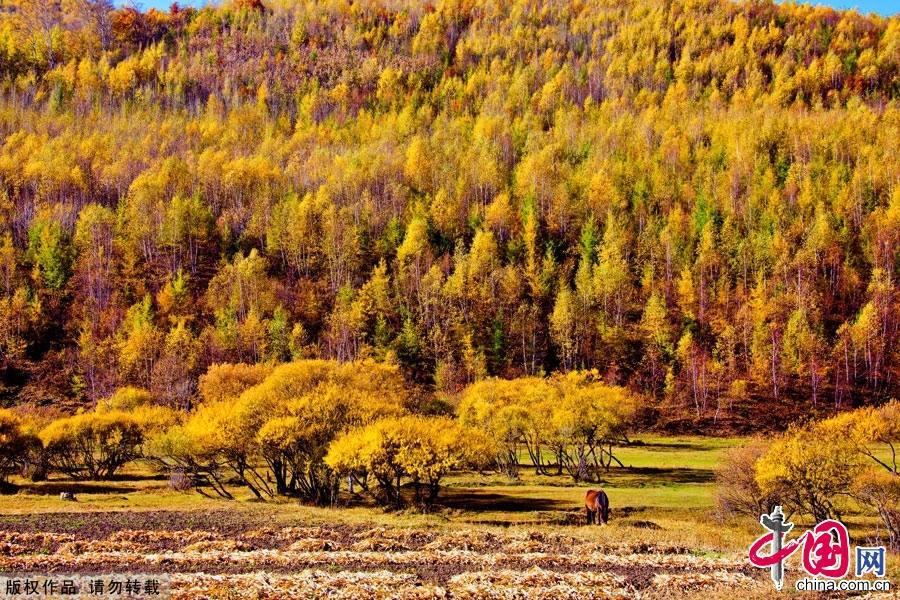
(597, 504)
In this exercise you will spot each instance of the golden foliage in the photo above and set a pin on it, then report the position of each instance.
(15, 441)
(285, 422)
(575, 415)
(809, 467)
(421, 449)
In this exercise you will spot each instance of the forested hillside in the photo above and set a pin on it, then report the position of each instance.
(698, 198)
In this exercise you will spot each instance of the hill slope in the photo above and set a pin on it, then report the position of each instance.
(698, 198)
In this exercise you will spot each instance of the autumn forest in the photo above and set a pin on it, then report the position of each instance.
(699, 199)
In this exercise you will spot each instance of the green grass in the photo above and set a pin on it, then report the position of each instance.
(676, 452)
(658, 473)
(666, 490)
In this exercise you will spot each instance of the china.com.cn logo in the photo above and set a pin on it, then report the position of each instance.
(825, 553)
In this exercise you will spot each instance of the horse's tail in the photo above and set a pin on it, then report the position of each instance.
(603, 502)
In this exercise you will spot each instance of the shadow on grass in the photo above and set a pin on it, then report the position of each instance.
(492, 508)
(654, 477)
(477, 501)
(53, 488)
(139, 477)
(687, 446)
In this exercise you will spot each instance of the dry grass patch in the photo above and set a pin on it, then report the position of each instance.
(147, 537)
(207, 546)
(538, 583)
(97, 546)
(306, 584)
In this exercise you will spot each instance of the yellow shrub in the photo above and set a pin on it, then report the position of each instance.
(126, 398)
(421, 449)
(807, 468)
(93, 444)
(880, 489)
(14, 443)
(154, 419)
(199, 440)
(274, 435)
(576, 415)
(228, 381)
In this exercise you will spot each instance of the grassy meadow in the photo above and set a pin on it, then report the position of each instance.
(661, 475)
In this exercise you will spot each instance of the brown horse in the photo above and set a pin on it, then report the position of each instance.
(597, 504)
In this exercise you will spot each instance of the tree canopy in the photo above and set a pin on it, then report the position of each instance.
(697, 199)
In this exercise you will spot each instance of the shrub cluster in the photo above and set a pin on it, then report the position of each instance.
(93, 444)
(16, 443)
(301, 428)
(575, 418)
(275, 435)
(810, 469)
(419, 449)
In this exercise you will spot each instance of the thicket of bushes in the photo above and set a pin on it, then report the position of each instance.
(16, 443)
(274, 435)
(814, 469)
(574, 417)
(301, 429)
(419, 449)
